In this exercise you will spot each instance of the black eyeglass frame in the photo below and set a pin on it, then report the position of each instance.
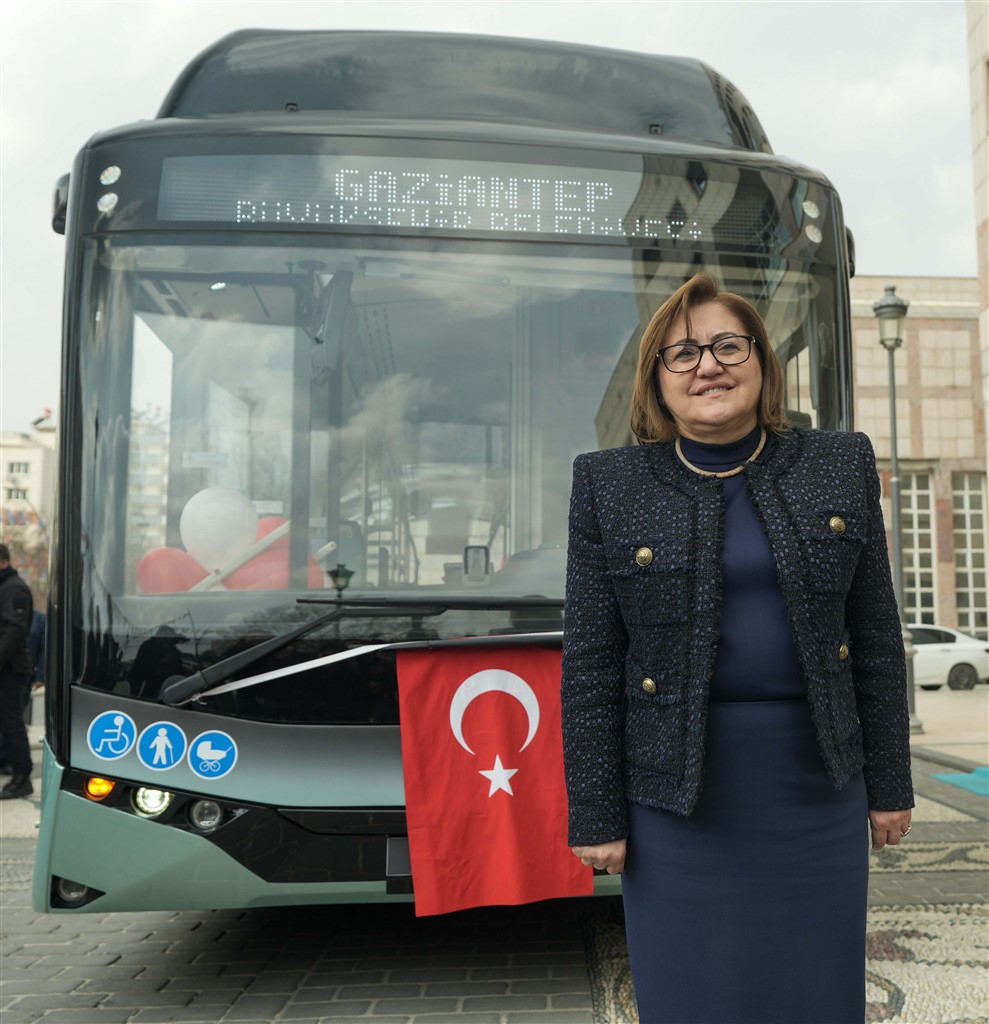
(750, 338)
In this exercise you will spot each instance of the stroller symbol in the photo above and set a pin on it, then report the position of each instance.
(212, 754)
(210, 758)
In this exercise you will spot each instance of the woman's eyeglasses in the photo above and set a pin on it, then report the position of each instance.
(729, 351)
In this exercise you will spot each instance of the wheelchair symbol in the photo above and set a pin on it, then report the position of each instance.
(111, 735)
(212, 754)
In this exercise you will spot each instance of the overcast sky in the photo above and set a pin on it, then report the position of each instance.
(874, 94)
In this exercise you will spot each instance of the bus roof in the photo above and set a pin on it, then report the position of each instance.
(465, 77)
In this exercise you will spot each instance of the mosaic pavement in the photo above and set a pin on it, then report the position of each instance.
(926, 965)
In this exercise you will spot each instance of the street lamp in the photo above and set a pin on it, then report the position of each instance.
(890, 311)
(340, 578)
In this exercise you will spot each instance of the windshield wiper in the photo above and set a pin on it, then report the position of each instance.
(460, 603)
(181, 689)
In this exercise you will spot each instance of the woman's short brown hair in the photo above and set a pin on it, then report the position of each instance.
(651, 421)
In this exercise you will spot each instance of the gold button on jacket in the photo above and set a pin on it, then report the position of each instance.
(648, 685)
(843, 652)
(643, 556)
(837, 524)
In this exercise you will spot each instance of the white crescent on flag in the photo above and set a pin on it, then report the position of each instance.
(493, 680)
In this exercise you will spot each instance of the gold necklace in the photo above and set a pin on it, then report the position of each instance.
(727, 473)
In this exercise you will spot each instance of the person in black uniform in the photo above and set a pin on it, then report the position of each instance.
(734, 687)
(16, 612)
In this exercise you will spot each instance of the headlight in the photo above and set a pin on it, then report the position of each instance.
(205, 815)
(71, 892)
(149, 803)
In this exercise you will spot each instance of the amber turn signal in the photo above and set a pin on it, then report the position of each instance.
(98, 789)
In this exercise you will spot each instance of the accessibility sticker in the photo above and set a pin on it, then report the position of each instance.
(161, 746)
(111, 735)
(212, 754)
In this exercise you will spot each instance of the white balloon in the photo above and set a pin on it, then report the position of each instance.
(217, 525)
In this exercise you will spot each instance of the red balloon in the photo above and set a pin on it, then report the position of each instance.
(168, 571)
(267, 571)
(268, 525)
(270, 571)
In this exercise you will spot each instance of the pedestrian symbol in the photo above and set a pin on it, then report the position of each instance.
(212, 754)
(111, 735)
(161, 746)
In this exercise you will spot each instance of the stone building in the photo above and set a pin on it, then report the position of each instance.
(941, 433)
(978, 66)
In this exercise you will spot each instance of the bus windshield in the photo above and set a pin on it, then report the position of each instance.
(401, 418)
(347, 374)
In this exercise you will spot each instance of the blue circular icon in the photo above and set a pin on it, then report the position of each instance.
(212, 754)
(161, 746)
(111, 735)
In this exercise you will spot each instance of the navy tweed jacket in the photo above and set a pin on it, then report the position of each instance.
(640, 640)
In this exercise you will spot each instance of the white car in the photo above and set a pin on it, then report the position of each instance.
(945, 655)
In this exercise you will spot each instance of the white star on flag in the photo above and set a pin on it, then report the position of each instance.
(499, 776)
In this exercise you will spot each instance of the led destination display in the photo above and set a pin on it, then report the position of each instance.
(472, 196)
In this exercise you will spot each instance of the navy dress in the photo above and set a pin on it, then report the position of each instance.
(753, 909)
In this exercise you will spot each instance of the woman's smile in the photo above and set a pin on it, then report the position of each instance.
(711, 402)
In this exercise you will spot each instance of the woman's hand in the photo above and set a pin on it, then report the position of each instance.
(888, 827)
(608, 857)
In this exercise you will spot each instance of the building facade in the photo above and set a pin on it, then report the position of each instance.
(978, 66)
(27, 501)
(941, 434)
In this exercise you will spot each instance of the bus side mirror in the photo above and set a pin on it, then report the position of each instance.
(850, 245)
(477, 564)
(60, 205)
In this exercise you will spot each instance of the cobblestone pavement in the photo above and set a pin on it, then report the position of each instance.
(379, 964)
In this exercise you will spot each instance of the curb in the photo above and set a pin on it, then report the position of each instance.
(962, 764)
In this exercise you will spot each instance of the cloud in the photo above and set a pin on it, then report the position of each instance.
(873, 94)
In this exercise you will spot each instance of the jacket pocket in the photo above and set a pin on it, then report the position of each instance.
(832, 540)
(650, 581)
(653, 721)
(837, 667)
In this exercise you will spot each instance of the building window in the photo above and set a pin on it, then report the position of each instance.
(917, 533)
(18, 467)
(968, 508)
(16, 494)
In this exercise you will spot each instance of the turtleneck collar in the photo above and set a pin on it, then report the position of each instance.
(720, 457)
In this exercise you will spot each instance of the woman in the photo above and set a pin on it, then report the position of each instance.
(734, 694)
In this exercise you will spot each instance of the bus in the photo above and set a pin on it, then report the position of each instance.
(336, 323)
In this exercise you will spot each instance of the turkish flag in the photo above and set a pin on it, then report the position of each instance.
(485, 799)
